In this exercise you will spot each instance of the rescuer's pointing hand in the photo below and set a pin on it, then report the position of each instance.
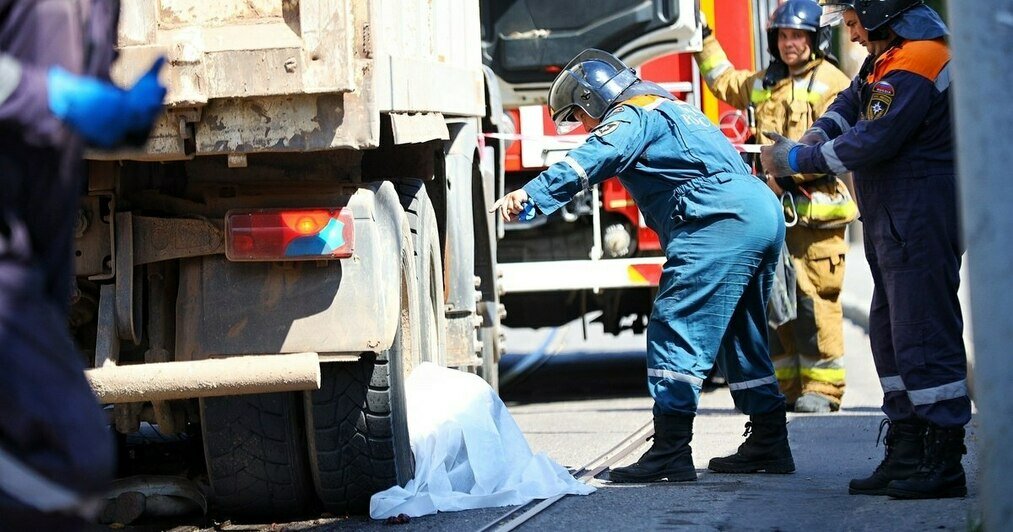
(511, 205)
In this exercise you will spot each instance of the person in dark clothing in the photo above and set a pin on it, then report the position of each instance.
(892, 127)
(56, 452)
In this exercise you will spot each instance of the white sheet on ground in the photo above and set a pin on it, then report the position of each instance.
(469, 451)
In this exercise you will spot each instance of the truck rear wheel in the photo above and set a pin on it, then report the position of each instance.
(428, 267)
(255, 447)
(358, 423)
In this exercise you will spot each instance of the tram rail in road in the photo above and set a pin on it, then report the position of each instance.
(521, 514)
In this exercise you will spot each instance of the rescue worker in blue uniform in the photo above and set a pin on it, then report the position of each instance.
(56, 450)
(722, 230)
(892, 128)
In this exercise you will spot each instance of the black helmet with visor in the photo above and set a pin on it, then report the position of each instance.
(873, 14)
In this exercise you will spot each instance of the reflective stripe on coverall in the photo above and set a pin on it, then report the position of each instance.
(721, 229)
(893, 130)
(808, 351)
(55, 447)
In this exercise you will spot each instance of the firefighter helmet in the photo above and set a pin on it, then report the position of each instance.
(873, 14)
(799, 15)
(592, 81)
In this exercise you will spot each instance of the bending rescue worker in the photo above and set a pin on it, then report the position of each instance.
(722, 230)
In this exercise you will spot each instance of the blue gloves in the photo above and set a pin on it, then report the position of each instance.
(104, 114)
(527, 212)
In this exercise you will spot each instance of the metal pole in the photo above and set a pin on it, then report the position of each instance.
(982, 36)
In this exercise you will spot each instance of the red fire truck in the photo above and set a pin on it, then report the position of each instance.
(596, 254)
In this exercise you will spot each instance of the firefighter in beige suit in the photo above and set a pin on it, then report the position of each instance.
(787, 98)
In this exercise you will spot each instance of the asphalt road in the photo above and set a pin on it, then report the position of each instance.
(828, 449)
(584, 396)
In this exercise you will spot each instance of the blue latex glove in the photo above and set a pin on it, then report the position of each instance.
(101, 112)
(527, 212)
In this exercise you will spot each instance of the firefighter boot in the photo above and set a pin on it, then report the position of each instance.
(765, 450)
(670, 456)
(905, 445)
(940, 475)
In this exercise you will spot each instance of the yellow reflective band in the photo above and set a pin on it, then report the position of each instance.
(759, 95)
(713, 61)
(783, 374)
(824, 374)
(819, 211)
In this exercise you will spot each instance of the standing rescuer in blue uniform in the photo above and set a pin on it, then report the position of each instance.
(56, 451)
(722, 230)
(892, 128)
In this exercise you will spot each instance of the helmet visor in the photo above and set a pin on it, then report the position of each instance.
(566, 88)
(833, 13)
(566, 122)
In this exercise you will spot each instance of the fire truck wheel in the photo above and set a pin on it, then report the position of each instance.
(256, 459)
(358, 422)
(428, 268)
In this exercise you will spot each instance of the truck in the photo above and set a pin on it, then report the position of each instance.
(307, 222)
(596, 256)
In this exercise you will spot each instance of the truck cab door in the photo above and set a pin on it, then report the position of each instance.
(527, 42)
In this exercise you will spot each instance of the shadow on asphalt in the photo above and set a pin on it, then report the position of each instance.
(574, 377)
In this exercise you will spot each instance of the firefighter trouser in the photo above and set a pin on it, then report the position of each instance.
(915, 324)
(808, 351)
(722, 246)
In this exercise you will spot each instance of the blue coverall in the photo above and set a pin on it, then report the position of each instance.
(721, 228)
(892, 129)
(55, 445)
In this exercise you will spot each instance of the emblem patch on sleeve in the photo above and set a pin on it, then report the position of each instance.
(880, 99)
(605, 129)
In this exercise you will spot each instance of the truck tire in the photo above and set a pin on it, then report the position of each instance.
(255, 448)
(358, 422)
(428, 268)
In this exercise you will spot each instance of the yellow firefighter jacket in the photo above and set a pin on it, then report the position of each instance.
(789, 107)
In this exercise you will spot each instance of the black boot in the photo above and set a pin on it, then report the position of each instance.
(765, 450)
(905, 444)
(940, 474)
(670, 456)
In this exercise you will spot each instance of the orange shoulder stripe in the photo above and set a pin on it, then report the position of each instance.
(925, 58)
(642, 100)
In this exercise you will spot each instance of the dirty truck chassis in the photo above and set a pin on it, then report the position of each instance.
(166, 320)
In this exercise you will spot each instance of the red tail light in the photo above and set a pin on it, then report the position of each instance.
(289, 234)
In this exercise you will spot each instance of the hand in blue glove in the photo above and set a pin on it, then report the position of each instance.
(101, 112)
